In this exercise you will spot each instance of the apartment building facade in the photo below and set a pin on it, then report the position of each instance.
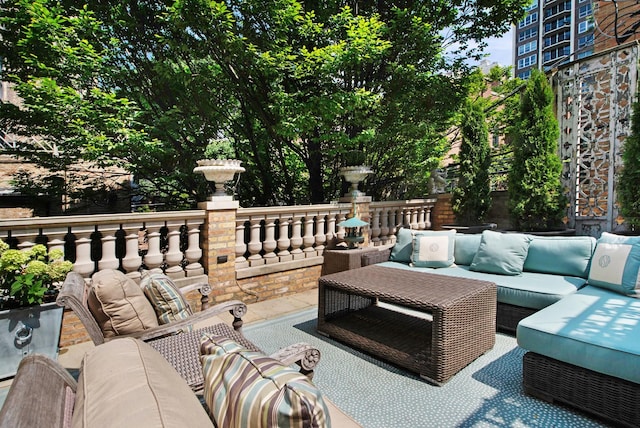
(553, 32)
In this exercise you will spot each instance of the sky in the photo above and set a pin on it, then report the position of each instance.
(500, 50)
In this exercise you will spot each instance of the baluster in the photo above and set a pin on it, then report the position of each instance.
(193, 253)
(108, 259)
(241, 246)
(331, 229)
(321, 237)
(270, 244)
(414, 218)
(56, 238)
(341, 232)
(421, 224)
(283, 241)
(255, 259)
(400, 218)
(26, 238)
(427, 221)
(132, 260)
(296, 238)
(308, 239)
(173, 257)
(407, 218)
(153, 259)
(384, 225)
(375, 227)
(83, 264)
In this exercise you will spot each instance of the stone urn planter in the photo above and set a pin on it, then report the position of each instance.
(219, 171)
(355, 175)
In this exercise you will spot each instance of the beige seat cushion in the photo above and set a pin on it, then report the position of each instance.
(119, 305)
(126, 383)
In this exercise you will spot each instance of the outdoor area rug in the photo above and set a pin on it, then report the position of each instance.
(487, 393)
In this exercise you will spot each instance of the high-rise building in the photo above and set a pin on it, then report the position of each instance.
(553, 32)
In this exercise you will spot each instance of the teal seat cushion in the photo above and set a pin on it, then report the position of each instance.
(465, 247)
(615, 264)
(401, 251)
(501, 253)
(594, 328)
(529, 290)
(560, 255)
(433, 248)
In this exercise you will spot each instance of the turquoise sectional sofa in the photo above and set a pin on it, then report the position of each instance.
(541, 271)
(572, 301)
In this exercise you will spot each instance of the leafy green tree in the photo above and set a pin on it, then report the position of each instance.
(295, 84)
(628, 183)
(536, 199)
(471, 198)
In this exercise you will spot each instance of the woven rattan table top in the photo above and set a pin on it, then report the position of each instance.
(415, 289)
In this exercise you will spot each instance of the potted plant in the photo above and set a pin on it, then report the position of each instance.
(536, 200)
(471, 198)
(30, 320)
(628, 189)
(219, 165)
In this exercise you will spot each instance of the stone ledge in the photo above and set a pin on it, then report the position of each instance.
(278, 267)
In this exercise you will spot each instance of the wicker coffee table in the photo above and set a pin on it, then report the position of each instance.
(461, 328)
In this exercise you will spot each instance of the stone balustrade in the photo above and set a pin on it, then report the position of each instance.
(267, 240)
(167, 241)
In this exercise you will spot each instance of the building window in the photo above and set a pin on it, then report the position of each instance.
(527, 47)
(585, 11)
(585, 41)
(533, 5)
(586, 53)
(585, 26)
(558, 23)
(525, 74)
(527, 34)
(529, 19)
(527, 61)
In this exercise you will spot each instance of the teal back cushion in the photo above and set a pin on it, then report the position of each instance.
(560, 255)
(501, 253)
(433, 249)
(615, 264)
(465, 247)
(401, 251)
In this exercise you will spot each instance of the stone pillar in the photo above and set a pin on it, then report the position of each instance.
(220, 245)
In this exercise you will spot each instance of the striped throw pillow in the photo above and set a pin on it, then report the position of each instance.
(248, 389)
(167, 301)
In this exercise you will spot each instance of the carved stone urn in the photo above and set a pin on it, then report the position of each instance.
(354, 175)
(219, 171)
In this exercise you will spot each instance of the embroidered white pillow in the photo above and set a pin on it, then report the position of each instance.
(433, 249)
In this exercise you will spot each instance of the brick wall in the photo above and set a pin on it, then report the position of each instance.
(442, 212)
(604, 15)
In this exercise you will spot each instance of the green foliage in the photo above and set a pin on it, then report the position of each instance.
(26, 276)
(354, 158)
(536, 201)
(628, 183)
(471, 198)
(295, 85)
(219, 148)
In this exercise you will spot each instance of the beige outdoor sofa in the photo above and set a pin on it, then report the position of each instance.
(121, 383)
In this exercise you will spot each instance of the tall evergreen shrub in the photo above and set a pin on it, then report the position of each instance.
(628, 187)
(536, 201)
(471, 198)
